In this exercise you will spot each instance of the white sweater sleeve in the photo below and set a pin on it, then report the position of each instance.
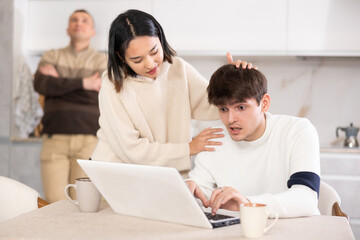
(298, 201)
(118, 130)
(301, 198)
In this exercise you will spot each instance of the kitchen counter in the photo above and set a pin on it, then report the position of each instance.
(338, 149)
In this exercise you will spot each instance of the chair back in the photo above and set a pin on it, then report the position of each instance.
(329, 201)
(16, 198)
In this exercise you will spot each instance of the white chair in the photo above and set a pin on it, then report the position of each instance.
(329, 201)
(17, 198)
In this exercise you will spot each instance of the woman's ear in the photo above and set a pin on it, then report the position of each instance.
(265, 102)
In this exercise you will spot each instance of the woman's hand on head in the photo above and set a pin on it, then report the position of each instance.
(203, 140)
(238, 62)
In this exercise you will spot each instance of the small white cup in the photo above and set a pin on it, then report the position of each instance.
(88, 197)
(253, 218)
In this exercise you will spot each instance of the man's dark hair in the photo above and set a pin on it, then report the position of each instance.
(228, 84)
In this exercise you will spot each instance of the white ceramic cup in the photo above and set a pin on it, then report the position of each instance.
(253, 218)
(88, 197)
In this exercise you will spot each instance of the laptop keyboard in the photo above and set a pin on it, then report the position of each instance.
(216, 216)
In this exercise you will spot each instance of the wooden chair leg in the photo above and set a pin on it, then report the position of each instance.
(336, 211)
(42, 202)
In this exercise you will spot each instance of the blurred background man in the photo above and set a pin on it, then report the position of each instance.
(69, 79)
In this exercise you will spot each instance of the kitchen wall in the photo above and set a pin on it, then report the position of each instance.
(6, 26)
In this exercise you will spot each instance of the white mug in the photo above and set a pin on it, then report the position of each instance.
(88, 197)
(253, 218)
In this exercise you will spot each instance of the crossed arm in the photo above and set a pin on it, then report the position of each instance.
(91, 83)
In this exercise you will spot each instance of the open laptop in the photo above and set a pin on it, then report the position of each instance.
(150, 192)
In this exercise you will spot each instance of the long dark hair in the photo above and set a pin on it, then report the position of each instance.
(123, 29)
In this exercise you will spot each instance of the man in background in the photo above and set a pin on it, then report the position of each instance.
(69, 79)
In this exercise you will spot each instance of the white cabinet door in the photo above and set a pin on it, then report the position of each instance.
(48, 20)
(214, 27)
(342, 172)
(325, 27)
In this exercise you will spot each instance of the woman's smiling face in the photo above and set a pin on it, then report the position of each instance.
(145, 56)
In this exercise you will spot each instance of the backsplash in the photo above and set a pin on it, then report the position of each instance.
(324, 90)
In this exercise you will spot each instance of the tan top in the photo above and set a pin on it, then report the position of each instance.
(148, 122)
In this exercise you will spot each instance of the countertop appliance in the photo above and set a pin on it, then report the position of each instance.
(351, 134)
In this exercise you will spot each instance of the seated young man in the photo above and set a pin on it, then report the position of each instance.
(264, 158)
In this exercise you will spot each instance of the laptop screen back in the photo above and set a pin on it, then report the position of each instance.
(146, 191)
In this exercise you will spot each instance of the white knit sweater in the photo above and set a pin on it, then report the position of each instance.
(148, 122)
(260, 169)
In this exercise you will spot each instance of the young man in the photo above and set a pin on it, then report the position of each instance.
(70, 80)
(271, 159)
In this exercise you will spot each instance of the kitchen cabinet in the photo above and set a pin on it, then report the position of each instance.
(213, 27)
(323, 27)
(203, 27)
(341, 169)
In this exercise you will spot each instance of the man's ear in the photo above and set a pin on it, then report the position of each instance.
(265, 102)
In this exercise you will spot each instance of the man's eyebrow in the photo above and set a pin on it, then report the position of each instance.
(133, 58)
(236, 102)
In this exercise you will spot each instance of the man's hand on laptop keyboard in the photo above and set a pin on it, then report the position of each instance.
(227, 198)
(224, 197)
(196, 191)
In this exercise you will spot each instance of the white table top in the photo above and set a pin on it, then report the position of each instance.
(62, 220)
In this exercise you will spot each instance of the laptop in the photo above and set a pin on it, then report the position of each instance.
(150, 192)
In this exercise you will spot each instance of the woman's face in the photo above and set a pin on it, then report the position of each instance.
(145, 56)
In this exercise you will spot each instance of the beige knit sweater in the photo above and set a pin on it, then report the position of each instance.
(148, 122)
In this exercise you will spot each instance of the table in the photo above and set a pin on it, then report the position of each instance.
(62, 220)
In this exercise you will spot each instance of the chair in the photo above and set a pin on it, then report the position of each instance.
(329, 201)
(17, 198)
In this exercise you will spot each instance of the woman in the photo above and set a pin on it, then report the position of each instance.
(148, 98)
